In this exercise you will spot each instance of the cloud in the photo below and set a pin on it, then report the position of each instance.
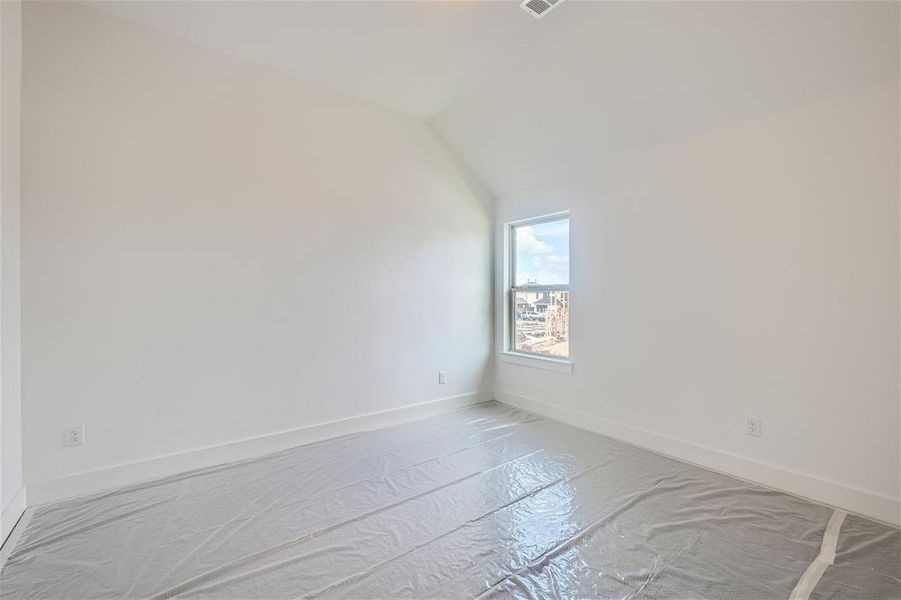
(528, 243)
(542, 253)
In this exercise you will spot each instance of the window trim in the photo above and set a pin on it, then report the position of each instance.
(508, 353)
(537, 361)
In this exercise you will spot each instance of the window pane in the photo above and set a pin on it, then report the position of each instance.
(541, 323)
(542, 253)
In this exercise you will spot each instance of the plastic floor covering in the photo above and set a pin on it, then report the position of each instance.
(487, 502)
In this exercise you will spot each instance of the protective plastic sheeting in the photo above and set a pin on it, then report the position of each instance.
(488, 501)
(867, 562)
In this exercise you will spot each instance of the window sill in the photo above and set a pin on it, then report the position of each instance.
(536, 362)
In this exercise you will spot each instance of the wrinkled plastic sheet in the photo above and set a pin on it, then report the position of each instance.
(484, 502)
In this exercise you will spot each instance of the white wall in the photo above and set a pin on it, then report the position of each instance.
(749, 272)
(12, 492)
(213, 250)
(732, 172)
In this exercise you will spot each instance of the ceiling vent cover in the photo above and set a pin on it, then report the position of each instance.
(539, 8)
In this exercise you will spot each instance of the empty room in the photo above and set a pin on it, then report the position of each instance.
(380, 299)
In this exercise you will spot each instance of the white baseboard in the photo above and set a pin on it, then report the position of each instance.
(11, 513)
(135, 472)
(855, 500)
(869, 504)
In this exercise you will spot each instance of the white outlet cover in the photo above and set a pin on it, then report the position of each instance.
(73, 436)
(442, 377)
(754, 426)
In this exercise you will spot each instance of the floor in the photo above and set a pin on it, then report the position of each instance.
(484, 502)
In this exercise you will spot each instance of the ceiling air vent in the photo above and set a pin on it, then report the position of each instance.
(539, 8)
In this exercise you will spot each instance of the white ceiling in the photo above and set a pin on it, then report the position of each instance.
(415, 57)
(634, 76)
(517, 96)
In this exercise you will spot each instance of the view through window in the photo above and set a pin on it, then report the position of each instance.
(539, 294)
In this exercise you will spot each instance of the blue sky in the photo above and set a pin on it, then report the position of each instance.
(542, 253)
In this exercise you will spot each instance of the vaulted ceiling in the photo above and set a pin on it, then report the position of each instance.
(516, 96)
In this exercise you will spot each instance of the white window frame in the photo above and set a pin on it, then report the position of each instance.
(509, 354)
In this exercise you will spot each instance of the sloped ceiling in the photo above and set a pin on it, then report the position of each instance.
(635, 76)
(415, 57)
(523, 100)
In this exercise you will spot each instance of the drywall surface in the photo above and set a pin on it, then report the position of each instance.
(630, 65)
(214, 251)
(753, 271)
(615, 78)
(12, 492)
(732, 172)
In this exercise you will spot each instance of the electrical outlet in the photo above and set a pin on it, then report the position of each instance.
(754, 426)
(442, 377)
(73, 436)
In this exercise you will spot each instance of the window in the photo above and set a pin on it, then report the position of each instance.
(539, 287)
